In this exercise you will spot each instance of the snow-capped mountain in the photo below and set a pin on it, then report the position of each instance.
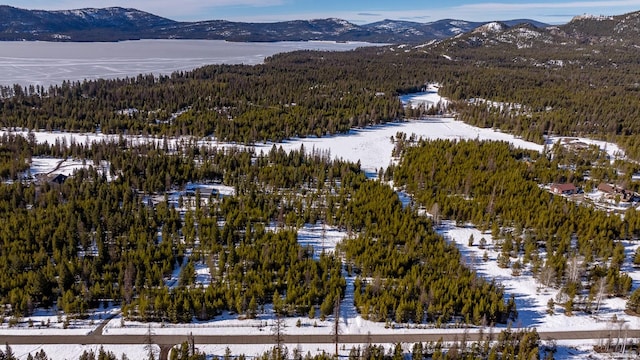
(113, 24)
(581, 42)
(441, 29)
(89, 24)
(622, 30)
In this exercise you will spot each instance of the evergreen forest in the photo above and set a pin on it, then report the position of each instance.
(90, 240)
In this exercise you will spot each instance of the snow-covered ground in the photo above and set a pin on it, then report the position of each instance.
(428, 98)
(531, 296)
(372, 146)
(612, 149)
(321, 238)
(73, 352)
(47, 322)
(53, 166)
(568, 350)
(53, 137)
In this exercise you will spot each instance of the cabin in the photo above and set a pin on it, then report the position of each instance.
(564, 189)
(611, 191)
(58, 179)
(606, 188)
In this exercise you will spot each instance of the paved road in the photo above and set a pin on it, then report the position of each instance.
(98, 338)
(166, 342)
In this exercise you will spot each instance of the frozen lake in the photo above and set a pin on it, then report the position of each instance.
(46, 63)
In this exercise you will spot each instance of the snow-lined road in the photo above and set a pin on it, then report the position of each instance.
(170, 340)
(166, 342)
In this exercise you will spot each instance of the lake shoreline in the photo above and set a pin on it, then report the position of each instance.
(50, 63)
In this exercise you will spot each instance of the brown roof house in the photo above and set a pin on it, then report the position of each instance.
(564, 189)
(606, 188)
(611, 191)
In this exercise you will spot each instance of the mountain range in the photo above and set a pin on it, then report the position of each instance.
(116, 23)
(608, 33)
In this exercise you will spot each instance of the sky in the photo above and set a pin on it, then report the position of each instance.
(356, 11)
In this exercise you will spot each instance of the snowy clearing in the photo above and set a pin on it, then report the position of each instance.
(531, 296)
(69, 352)
(43, 166)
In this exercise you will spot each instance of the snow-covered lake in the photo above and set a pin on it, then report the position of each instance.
(45, 63)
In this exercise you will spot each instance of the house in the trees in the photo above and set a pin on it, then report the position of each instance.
(612, 191)
(564, 189)
(58, 179)
(606, 188)
(51, 179)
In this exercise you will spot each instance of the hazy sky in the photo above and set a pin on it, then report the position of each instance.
(357, 11)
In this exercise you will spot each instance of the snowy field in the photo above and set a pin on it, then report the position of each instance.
(531, 296)
(53, 137)
(49, 166)
(73, 352)
(47, 63)
(372, 145)
(46, 166)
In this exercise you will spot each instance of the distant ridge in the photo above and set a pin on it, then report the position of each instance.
(116, 23)
(621, 31)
